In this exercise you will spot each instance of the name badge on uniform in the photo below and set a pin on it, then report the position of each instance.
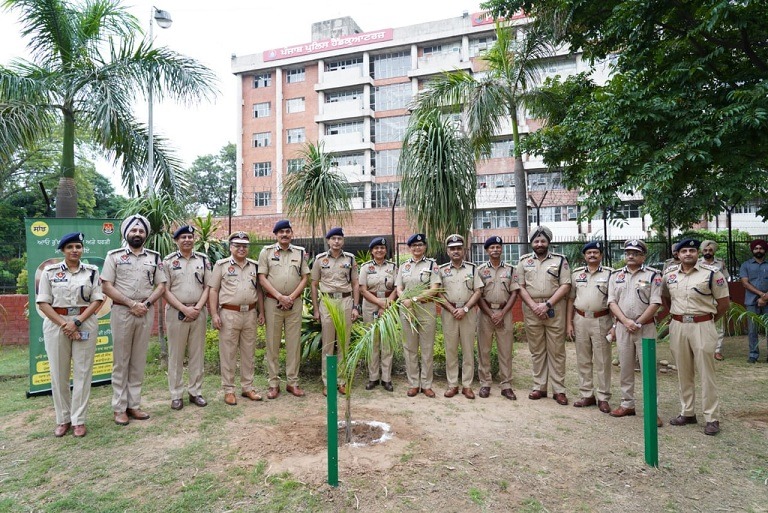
(60, 277)
(124, 259)
(621, 278)
(231, 271)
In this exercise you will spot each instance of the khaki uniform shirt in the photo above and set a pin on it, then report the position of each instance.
(283, 268)
(63, 289)
(412, 274)
(134, 276)
(719, 264)
(236, 285)
(633, 292)
(589, 290)
(378, 279)
(187, 277)
(695, 292)
(498, 283)
(460, 282)
(541, 278)
(334, 274)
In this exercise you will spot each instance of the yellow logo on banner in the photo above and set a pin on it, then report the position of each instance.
(39, 228)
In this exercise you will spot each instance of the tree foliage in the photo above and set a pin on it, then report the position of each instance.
(684, 115)
(87, 70)
(211, 176)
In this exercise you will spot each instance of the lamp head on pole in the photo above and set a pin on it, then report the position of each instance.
(163, 18)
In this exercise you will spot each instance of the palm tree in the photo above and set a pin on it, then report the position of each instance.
(317, 193)
(488, 99)
(437, 165)
(86, 72)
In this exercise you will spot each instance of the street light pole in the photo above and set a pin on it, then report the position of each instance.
(163, 19)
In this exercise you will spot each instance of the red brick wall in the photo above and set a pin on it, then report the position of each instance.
(14, 326)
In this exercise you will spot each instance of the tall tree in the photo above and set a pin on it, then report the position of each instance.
(87, 70)
(493, 97)
(317, 193)
(439, 185)
(211, 176)
(684, 117)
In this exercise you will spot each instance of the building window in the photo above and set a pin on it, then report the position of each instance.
(481, 44)
(428, 50)
(295, 75)
(262, 169)
(395, 96)
(294, 105)
(545, 181)
(747, 208)
(262, 139)
(385, 162)
(629, 211)
(263, 199)
(496, 181)
(261, 110)
(391, 65)
(562, 67)
(347, 159)
(496, 218)
(391, 129)
(357, 192)
(502, 149)
(554, 214)
(383, 194)
(262, 80)
(353, 62)
(350, 127)
(344, 96)
(295, 165)
(296, 135)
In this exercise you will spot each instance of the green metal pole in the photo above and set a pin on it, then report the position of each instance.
(333, 422)
(649, 399)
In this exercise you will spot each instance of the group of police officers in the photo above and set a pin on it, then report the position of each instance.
(592, 304)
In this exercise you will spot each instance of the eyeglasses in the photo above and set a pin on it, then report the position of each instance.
(417, 245)
(240, 246)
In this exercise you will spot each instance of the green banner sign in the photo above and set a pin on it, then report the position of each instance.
(43, 236)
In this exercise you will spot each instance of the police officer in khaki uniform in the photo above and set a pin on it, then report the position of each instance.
(697, 296)
(283, 274)
(377, 286)
(634, 297)
(188, 273)
(69, 297)
(133, 277)
(588, 323)
(462, 289)
(334, 273)
(237, 307)
(671, 261)
(708, 249)
(419, 326)
(499, 293)
(545, 280)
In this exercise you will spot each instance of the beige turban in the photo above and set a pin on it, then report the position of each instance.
(134, 220)
(542, 230)
(706, 243)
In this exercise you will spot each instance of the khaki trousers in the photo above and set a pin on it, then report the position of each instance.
(546, 341)
(70, 407)
(380, 360)
(185, 337)
(279, 320)
(329, 335)
(630, 346)
(419, 337)
(504, 337)
(130, 340)
(455, 332)
(591, 345)
(237, 334)
(693, 345)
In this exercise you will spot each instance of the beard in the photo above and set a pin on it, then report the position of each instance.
(136, 242)
(540, 250)
(758, 254)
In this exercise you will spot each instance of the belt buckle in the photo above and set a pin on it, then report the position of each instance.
(336, 295)
(73, 310)
(381, 295)
(245, 308)
(589, 315)
(495, 306)
(687, 318)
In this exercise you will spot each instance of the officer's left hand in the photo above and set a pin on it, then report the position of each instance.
(355, 314)
(458, 313)
(191, 313)
(261, 319)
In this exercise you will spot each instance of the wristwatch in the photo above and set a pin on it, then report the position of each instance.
(78, 323)
(149, 304)
(466, 309)
(549, 305)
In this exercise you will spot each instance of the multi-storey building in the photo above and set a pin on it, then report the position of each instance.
(351, 89)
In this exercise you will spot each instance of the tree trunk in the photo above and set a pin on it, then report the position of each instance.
(66, 196)
(521, 204)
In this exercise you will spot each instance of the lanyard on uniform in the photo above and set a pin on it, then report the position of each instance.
(82, 294)
(151, 278)
(198, 278)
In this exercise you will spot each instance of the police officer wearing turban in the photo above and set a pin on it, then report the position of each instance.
(499, 294)
(588, 323)
(697, 296)
(545, 280)
(754, 277)
(419, 326)
(634, 297)
(283, 274)
(708, 249)
(377, 286)
(133, 277)
(671, 261)
(334, 273)
(188, 275)
(69, 297)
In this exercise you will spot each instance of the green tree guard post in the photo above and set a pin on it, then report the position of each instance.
(333, 423)
(650, 412)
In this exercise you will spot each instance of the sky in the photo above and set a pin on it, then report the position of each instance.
(211, 31)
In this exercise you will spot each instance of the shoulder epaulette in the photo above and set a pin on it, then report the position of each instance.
(470, 263)
(710, 267)
(580, 268)
(51, 267)
(115, 251)
(91, 267)
(202, 255)
(348, 254)
(668, 269)
(447, 264)
(527, 255)
(223, 261)
(321, 255)
(152, 252)
(557, 254)
(291, 246)
(251, 260)
(370, 262)
(652, 269)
